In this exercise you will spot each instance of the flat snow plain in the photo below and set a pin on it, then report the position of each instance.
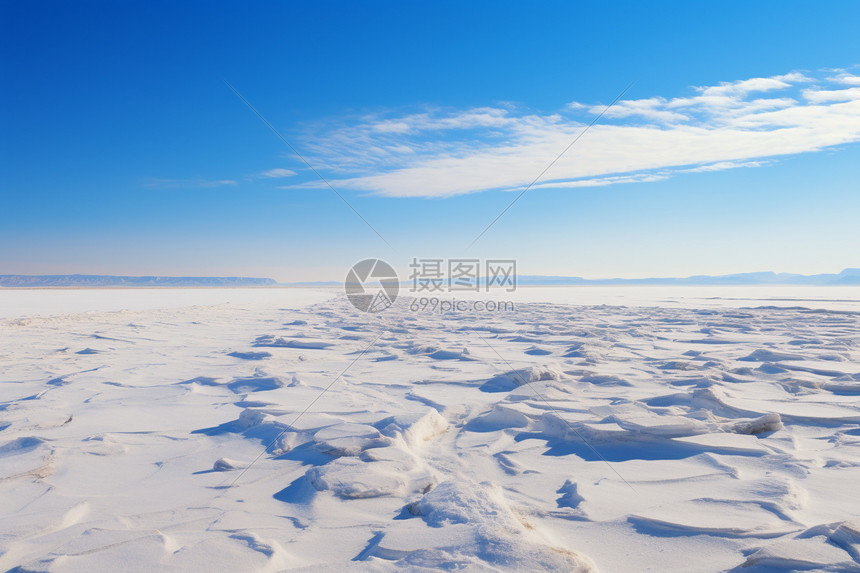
(591, 429)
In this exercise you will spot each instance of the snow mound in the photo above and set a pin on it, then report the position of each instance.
(452, 502)
(801, 554)
(437, 353)
(351, 478)
(715, 517)
(271, 341)
(491, 530)
(250, 417)
(348, 439)
(605, 380)
(501, 417)
(515, 378)
(767, 355)
(226, 465)
(767, 423)
(416, 428)
(640, 420)
(847, 536)
(538, 351)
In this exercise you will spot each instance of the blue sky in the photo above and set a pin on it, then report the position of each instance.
(124, 152)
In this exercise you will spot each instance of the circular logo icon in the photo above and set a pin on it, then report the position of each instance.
(371, 285)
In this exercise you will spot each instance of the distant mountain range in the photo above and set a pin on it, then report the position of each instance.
(118, 281)
(848, 277)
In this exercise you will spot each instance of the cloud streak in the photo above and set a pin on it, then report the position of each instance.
(442, 153)
(188, 183)
(277, 173)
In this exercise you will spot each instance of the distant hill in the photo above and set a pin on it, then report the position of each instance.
(315, 284)
(848, 277)
(119, 281)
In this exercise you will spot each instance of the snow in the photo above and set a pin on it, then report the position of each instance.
(282, 429)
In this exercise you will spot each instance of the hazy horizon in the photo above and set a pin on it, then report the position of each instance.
(524, 279)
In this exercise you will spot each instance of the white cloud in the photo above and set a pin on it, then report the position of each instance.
(478, 117)
(821, 96)
(722, 165)
(192, 183)
(744, 87)
(276, 173)
(651, 108)
(846, 78)
(440, 153)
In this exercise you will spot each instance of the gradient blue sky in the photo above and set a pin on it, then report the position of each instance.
(123, 151)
